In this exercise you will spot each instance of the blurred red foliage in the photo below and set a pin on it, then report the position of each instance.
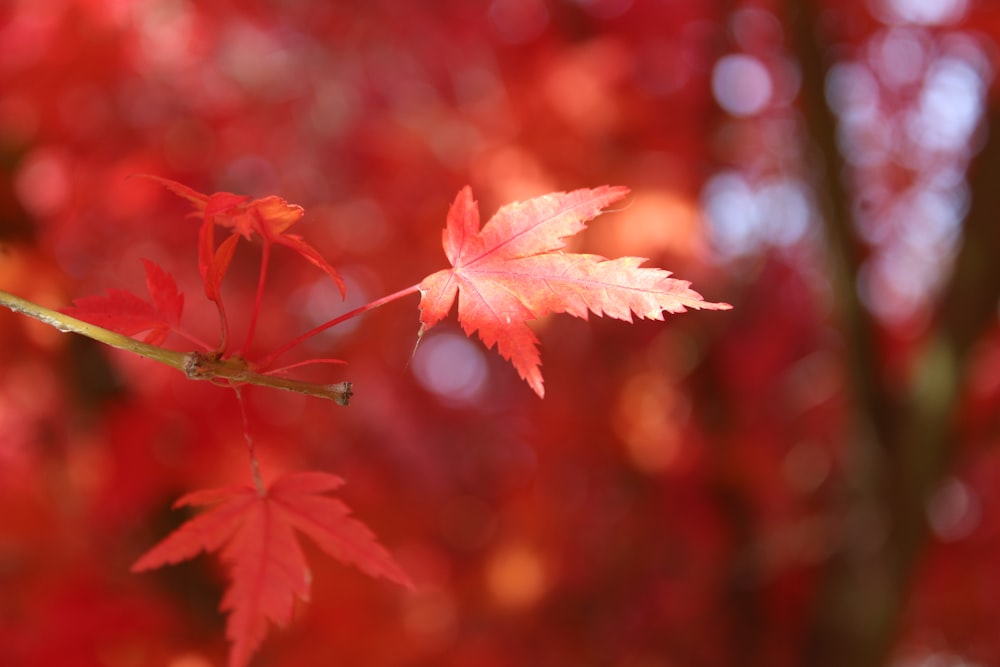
(808, 479)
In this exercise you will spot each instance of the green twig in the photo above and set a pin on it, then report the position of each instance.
(233, 371)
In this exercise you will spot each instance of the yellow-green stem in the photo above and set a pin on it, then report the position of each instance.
(233, 371)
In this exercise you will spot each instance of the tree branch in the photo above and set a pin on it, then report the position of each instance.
(903, 436)
(233, 371)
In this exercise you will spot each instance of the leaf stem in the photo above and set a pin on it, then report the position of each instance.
(223, 326)
(306, 362)
(232, 371)
(269, 359)
(264, 257)
(258, 481)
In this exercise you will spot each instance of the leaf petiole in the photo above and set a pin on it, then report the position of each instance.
(269, 359)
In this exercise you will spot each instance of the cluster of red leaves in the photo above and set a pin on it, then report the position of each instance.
(510, 271)
(253, 526)
(266, 219)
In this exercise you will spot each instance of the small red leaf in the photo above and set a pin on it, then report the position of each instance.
(163, 291)
(217, 265)
(254, 534)
(124, 312)
(276, 215)
(267, 218)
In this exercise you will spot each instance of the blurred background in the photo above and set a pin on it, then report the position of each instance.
(808, 479)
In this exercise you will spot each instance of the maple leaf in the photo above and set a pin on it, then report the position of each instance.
(514, 270)
(255, 534)
(268, 218)
(128, 314)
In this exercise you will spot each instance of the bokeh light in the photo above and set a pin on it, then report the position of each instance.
(924, 12)
(451, 367)
(741, 84)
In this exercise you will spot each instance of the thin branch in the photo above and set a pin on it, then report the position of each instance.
(845, 250)
(232, 371)
(68, 324)
(858, 601)
(905, 435)
(969, 301)
(968, 309)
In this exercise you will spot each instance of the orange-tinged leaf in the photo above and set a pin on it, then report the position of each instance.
(277, 215)
(120, 310)
(267, 218)
(514, 270)
(254, 534)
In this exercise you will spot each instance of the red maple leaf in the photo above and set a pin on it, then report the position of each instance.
(255, 534)
(268, 218)
(513, 270)
(126, 313)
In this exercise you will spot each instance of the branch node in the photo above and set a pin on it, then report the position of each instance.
(341, 392)
(198, 366)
